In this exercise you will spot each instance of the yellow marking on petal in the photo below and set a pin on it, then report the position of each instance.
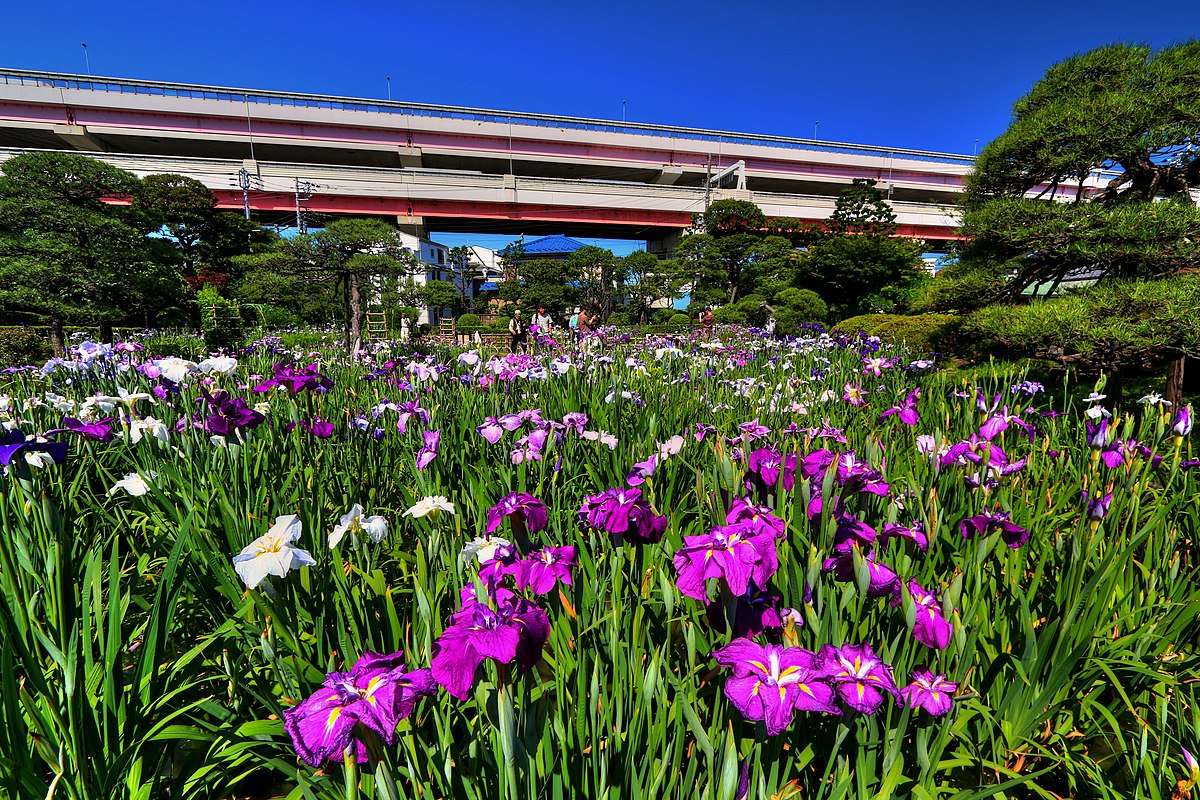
(757, 686)
(861, 690)
(874, 678)
(789, 671)
(804, 688)
(333, 716)
(937, 696)
(758, 664)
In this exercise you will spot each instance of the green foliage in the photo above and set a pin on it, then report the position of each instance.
(729, 315)
(555, 284)
(439, 294)
(68, 255)
(276, 317)
(1123, 108)
(805, 304)
(680, 321)
(21, 346)
(1113, 327)
(961, 287)
(731, 218)
(862, 209)
(865, 323)
(850, 271)
(469, 320)
(649, 280)
(601, 274)
(919, 333)
(221, 320)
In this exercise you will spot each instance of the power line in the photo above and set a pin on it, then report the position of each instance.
(303, 192)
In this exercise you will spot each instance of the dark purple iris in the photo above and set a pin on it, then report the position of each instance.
(227, 414)
(524, 508)
(99, 431)
(983, 524)
(296, 380)
(624, 514)
(318, 427)
(770, 467)
(14, 442)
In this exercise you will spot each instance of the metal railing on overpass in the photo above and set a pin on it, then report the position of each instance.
(199, 92)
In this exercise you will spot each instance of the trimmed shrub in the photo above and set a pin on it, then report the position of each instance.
(20, 347)
(679, 322)
(619, 318)
(805, 305)
(663, 315)
(729, 315)
(916, 332)
(468, 321)
(220, 320)
(864, 323)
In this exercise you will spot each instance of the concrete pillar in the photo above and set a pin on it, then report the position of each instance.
(410, 223)
(78, 137)
(410, 157)
(669, 175)
(665, 245)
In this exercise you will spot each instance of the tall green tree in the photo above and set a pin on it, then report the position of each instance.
(205, 239)
(461, 270)
(73, 244)
(347, 256)
(1094, 175)
(650, 280)
(602, 277)
(545, 281)
(858, 264)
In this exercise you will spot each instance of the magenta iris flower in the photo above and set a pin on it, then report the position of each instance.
(376, 693)
(542, 569)
(318, 427)
(736, 553)
(814, 464)
(858, 675)
(522, 507)
(983, 524)
(99, 431)
(858, 476)
(907, 411)
(491, 430)
(756, 517)
(406, 412)
(882, 580)
(642, 470)
(771, 467)
(770, 683)
(429, 448)
(296, 380)
(228, 414)
(624, 514)
(931, 692)
(914, 532)
(515, 630)
(850, 531)
(931, 628)
(1182, 424)
(755, 612)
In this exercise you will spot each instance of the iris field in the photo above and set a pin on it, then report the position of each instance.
(687, 567)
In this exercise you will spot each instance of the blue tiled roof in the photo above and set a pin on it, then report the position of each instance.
(552, 245)
(490, 286)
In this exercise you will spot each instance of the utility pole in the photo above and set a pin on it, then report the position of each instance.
(244, 183)
(303, 192)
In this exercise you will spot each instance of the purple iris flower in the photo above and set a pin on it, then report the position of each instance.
(642, 470)
(882, 580)
(408, 411)
(858, 476)
(736, 553)
(319, 428)
(858, 675)
(983, 524)
(851, 531)
(753, 430)
(99, 431)
(906, 411)
(1182, 424)
(756, 517)
(429, 448)
(624, 514)
(296, 380)
(14, 442)
(703, 430)
(376, 693)
(770, 683)
(814, 464)
(995, 425)
(1098, 434)
(515, 630)
(510, 422)
(756, 611)
(522, 507)
(1097, 508)
(771, 468)
(541, 569)
(931, 692)
(931, 628)
(228, 414)
(576, 421)
(491, 430)
(914, 533)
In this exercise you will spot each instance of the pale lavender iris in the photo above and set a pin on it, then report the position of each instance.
(429, 448)
(491, 430)
(770, 683)
(376, 693)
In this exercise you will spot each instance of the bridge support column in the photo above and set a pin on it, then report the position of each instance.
(410, 157)
(665, 245)
(78, 137)
(669, 175)
(411, 224)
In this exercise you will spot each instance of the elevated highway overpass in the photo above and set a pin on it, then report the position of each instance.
(458, 169)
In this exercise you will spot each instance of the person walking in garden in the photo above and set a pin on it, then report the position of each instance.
(540, 323)
(516, 329)
(573, 324)
(707, 319)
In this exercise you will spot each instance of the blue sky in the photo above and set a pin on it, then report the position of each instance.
(927, 75)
